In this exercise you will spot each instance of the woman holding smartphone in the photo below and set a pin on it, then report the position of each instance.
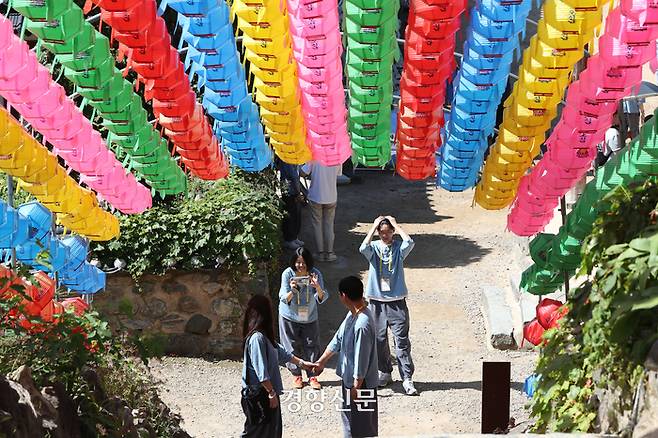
(302, 289)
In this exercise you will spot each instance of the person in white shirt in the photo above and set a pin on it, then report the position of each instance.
(322, 196)
(612, 141)
(610, 145)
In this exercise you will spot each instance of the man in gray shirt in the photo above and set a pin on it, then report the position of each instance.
(357, 362)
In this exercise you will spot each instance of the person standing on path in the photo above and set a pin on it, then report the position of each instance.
(387, 292)
(302, 289)
(356, 346)
(292, 197)
(632, 112)
(322, 195)
(261, 378)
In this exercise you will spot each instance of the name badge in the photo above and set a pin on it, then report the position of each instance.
(385, 285)
(302, 313)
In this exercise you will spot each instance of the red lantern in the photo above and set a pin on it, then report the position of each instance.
(533, 332)
(77, 305)
(137, 18)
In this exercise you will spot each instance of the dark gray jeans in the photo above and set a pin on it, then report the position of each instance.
(360, 418)
(393, 314)
(303, 339)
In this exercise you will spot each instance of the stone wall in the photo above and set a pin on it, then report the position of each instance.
(196, 312)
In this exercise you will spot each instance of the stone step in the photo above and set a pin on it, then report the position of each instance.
(498, 319)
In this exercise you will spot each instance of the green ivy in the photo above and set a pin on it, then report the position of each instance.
(227, 222)
(612, 321)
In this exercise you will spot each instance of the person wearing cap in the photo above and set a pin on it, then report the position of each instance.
(356, 346)
(387, 292)
(302, 289)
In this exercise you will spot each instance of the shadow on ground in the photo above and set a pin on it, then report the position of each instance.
(395, 388)
(444, 251)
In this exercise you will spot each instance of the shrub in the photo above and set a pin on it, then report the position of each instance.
(217, 223)
(66, 350)
(602, 343)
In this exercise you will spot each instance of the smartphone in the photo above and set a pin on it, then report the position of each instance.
(302, 279)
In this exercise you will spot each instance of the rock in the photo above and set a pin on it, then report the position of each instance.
(173, 287)
(155, 308)
(225, 328)
(651, 362)
(612, 416)
(188, 304)
(43, 408)
(137, 324)
(198, 325)
(16, 406)
(211, 288)
(94, 382)
(224, 308)
(68, 423)
(122, 416)
(144, 287)
(254, 286)
(647, 424)
(186, 344)
(173, 322)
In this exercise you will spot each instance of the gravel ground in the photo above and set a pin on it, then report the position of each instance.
(458, 250)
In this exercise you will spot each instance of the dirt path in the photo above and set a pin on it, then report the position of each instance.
(458, 250)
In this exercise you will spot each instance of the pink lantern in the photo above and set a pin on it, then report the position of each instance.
(602, 73)
(626, 28)
(645, 12)
(568, 157)
(588, 104)
(619, 53)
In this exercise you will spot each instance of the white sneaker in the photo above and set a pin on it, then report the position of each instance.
(330, 257)
(409, 387)
(298, 242)
(291, 245)
(384, 379)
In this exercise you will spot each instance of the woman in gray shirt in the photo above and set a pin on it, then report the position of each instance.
(302, 290)
(261, 378)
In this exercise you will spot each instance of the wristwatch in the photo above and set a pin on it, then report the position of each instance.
(271, 394)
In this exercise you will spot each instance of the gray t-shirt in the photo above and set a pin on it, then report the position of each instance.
(305, 300)
(355, 343)
(264, 360)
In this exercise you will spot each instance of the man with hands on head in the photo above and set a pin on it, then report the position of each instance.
(355, 344)
(387, 292)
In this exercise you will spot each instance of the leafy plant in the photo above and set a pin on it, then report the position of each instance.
(612, 322)
(65, 350)
(20, 196)
(224, 222)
